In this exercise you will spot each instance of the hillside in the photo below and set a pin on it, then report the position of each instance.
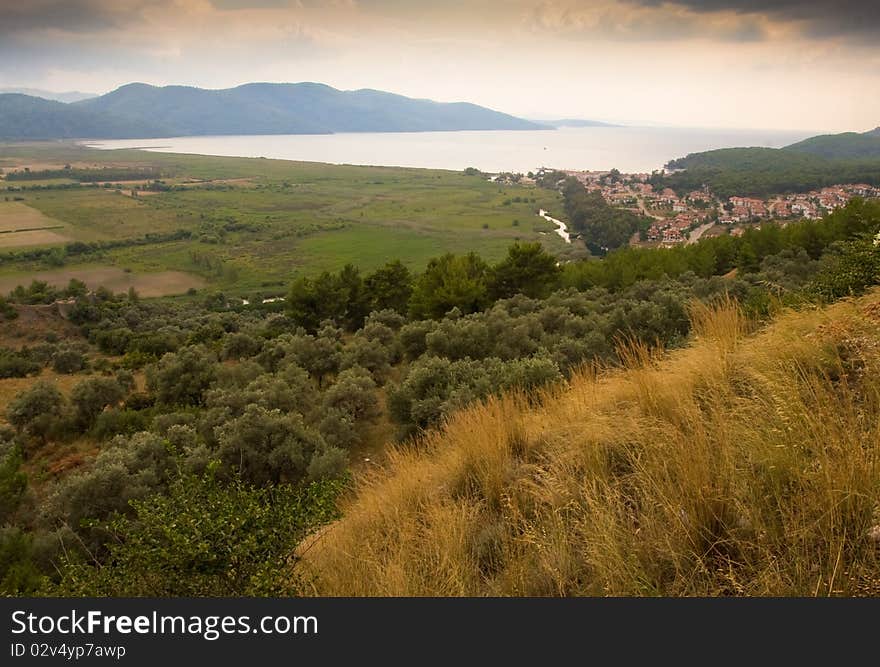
(26, 117)
(763, 172)
(139, 110)
(742, 465)
(841, 146)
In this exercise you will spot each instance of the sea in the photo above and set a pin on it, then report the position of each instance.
(629, 149)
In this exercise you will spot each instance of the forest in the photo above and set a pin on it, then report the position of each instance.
(210, 436)
(764, 172)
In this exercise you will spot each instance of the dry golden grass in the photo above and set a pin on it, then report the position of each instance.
(159, 283)
(746, 464)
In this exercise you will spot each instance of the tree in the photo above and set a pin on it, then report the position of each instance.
(450, 281)
(34, 411)
(528, 269)
(181, 378)
(389, 287)
(90, 397)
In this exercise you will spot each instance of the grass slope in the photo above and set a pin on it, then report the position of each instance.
(745, 464)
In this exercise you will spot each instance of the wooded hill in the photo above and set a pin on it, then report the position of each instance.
(138, 110)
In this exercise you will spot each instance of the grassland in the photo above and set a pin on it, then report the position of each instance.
(256, 224)
(745, 464)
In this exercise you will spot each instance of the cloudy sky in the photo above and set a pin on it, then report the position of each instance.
(798, 64)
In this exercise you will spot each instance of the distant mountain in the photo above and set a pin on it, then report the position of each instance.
(841, 146)
(26, 117)
(71, 96)
(575, 122)
(139, 110)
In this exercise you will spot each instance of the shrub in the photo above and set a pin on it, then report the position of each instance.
(206, 538)
(68, 361)
(182, 378)
(265, 446)
(34, 411)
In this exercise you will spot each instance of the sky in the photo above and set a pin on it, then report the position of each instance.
(774, 64)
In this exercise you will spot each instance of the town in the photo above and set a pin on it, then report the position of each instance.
(700, 213)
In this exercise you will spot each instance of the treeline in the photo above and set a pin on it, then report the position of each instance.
(763, 172)
(86, 175)
(463, 282)
(78, 248)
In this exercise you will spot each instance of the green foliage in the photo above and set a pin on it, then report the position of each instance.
(717, 256)
(762, 172)
(7, 310)
(389, 287)
(181, 378)
(206, 538)
(849, 271)
(13, 482)
(353, 394)
(267, 446)
(19, 574)
(528, 269)
(435, 386)
(602, 226)
(68, 361)
(89, 398)
(17, 364)
(34, 411)
(450, 282)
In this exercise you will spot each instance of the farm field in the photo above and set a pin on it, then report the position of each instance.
(22, 225)
(250, 224)
(160, 283)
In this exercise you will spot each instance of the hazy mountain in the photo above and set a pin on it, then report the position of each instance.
(71, 96)
(139, 110)
(300, 108)
(845, 145)
(26, 117)
(575, 122)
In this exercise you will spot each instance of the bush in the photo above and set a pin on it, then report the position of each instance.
(111, 423)
(34, 411)
(206, 538)
(68, 361)
(89, 398)
(182, 378)
(265, 446)
(16, 365)
(353, 393)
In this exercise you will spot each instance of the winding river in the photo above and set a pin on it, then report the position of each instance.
(561, 228)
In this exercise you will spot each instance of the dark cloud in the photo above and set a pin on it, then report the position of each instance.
(75, 16)
(815, 18)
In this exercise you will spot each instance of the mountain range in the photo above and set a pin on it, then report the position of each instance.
(139, 110)
(69, 96)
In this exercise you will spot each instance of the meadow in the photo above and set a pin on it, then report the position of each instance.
(254, 225)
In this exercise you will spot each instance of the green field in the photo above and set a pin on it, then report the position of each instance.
(257, 223)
